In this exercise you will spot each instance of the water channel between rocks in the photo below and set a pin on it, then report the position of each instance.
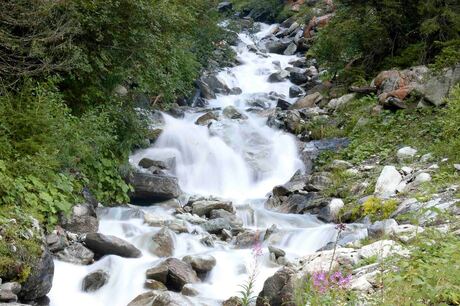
(239, 160)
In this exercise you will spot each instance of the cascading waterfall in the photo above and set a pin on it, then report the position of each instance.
(241, 160)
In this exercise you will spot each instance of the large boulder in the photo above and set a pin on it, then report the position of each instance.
(216, 84)
(215, 226)
(111, 245)
(95, 280)
(278, 290)
(82, 219)
(174, 273)
(278, 76)
(40, 279)
(162, 244)
(150, 187)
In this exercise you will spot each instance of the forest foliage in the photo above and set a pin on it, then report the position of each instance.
(62, 125)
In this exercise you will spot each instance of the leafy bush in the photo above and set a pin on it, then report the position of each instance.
(263, 10)
(373, 35)
(377, 209)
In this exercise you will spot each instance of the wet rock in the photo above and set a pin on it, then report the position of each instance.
(82, 219)
(279, 76)
(283, 104)
(154, 285)
(278, 289)
(295, 91)
(298, 76)
(110, 245)
(232, 113)
(276, 251)
(269, 231)
(297, 182)
(235, 91)
(216, 84)
(76, 254)
(160, 298)
(149, 163)
(234, 220)
(174, 273)
(246, 239)
(277, 46)
(388, 182)
(330, 213)
(188, 290)
(215, 226)
(40, 280)
(291, 49)
(95, 280)
(204, 207)
(162, 244)
(290, 121)
(200, 263)
(154, 187)
(307, 101)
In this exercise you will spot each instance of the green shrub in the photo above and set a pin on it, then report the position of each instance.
(377, 209)
(429, 277)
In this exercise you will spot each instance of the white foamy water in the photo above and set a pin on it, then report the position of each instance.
(241, 160)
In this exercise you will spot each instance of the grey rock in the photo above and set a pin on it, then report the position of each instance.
(291, 49)
(215, 226)
(246, 239)
(174, 273)
(40, 280)
(278, 289)
(154, 285)
(381, 228)
(276, 251)
(283, 104)
(8, 296)
(148, 163)
(82, 220)
(56, 242)
(295, 91)
(95, 280)
(233, 301)
(188, 290)
(154, 187)
(234, 220)
(388, 182)
(277, 46)
(200, 263)
(76, 254)
(111, 245)
(204, 207)
(279, 76)
(232, 113)
(162, 244)
(11, 286)
(307, 101)
(207, 118)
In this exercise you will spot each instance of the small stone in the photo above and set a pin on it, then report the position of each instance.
(11, 286)
(8, 296)
(426, 158)
(457, 167)
(406, 153)
(388, 182)
(95, 280)
(422, 178)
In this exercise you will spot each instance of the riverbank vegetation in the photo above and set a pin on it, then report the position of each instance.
(71, 75)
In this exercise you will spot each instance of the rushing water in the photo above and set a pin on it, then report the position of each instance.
(241, 160)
